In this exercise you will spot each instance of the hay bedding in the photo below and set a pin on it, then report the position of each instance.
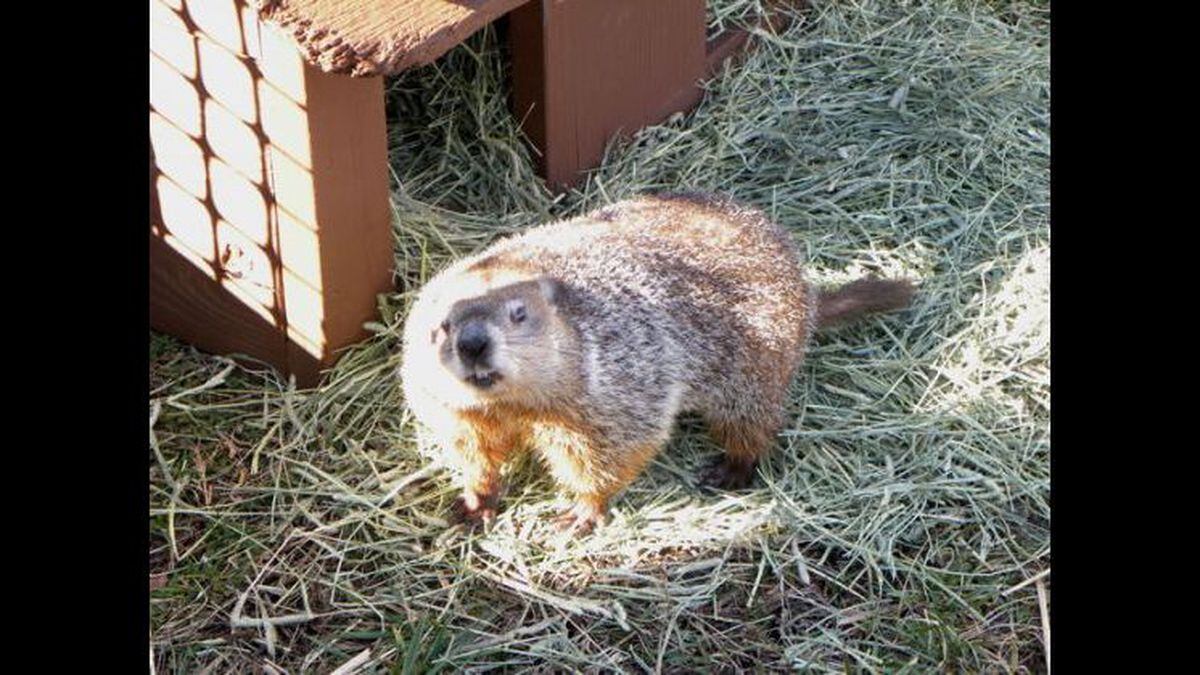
(892, 529)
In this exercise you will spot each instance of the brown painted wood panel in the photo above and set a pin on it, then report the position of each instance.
(352, 209)
(270, 222)
(373, 37)
(585, 70)
(182, 295)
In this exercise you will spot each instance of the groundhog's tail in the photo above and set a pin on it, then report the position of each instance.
(839, 305)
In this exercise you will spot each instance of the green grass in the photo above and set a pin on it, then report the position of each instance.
(906, 498)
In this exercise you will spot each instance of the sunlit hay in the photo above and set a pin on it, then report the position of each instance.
(908, 492)
(1001, 353)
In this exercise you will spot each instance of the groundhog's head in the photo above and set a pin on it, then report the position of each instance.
(471, 340)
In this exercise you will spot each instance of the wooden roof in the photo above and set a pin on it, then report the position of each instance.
(379, 37)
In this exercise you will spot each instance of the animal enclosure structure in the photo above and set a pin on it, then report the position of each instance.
(270, 226)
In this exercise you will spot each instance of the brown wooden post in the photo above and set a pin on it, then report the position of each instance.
(270, 223)
(584, 70)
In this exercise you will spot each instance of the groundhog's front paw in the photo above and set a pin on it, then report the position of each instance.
(473, 509)
(727, 475)
(580, 519)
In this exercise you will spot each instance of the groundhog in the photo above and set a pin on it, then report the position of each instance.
(585, 339)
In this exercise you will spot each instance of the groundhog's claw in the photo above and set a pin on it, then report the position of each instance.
(726, 475)
(580, 519)
(483, 513)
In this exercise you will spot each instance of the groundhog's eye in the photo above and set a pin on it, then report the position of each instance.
(517, 313)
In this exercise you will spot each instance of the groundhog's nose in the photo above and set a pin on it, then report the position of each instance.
(472, 342)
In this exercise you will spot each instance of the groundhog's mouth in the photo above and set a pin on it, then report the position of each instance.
(484, 380)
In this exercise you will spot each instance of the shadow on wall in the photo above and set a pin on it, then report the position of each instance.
(235, 246)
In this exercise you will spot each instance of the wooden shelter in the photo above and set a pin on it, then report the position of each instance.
(270, 227)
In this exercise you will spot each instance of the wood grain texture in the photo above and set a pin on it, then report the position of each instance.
(373, 37)
(586, 70)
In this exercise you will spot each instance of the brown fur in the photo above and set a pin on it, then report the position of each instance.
(627, 317)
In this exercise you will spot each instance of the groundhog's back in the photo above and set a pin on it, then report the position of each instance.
(685, 252)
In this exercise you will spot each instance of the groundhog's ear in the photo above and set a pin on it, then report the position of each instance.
(552, 289)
